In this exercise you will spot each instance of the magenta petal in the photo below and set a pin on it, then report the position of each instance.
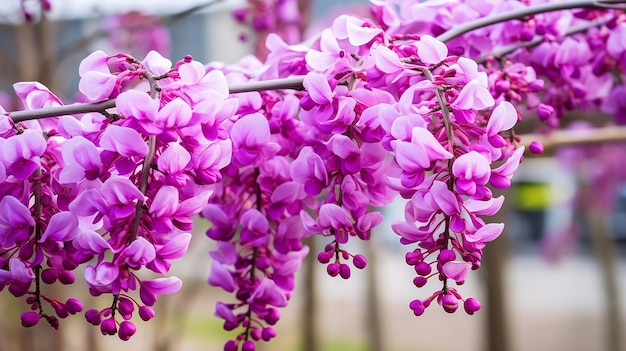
(486, 233)
(318, 88)
(96, 85)
(156, 64)
(456, 270)
(125, 141)
(63, 226)
(431, 50)
(160, 286)
(387, 60)
(503, 117)
(165, 202)
(221, 277)
(175, 247)
(444, 198)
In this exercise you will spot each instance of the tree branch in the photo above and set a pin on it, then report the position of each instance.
(505, 50)
(559, 138)
(521, 13)
(294, 82)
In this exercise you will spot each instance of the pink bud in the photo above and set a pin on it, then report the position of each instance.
(323, 257)
(272, 316)
(413, 258)
(108, 327)
(446, 255)
(268, 333)
(333, 269)
(231, 345)
(420, 281)
(93, 316)
(146, 313)
(30, 319)
(423, 268)
(535, 147)
(248, 346)
(449, 303)
(73, 305)
(418, 307)
(127, 329)
(359, 261)
(344, 271)
(471, 305)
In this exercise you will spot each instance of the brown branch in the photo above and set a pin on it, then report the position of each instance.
(559, 138)
(294, 82)
(522, 13)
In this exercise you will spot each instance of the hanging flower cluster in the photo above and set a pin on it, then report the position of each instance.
(115, 191)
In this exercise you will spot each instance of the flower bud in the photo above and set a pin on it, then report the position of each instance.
(268, 333)
(420, 281)
(108, 327)
(272, 316)
(255, 334)
(30, 319)
(49, 275)
(359, 261)
(248, 345)
(230, 345)
(446, 255)
(125, 306)
(127, 329)
(146, 313)
(449, 303)
(471, 305)
(423, 268)
(332, 269)
(417, 306)
(535, 147)
(93, 316)
(73, 305)
(323, 257)
(344, 271)
(413, 258)
(66, 277)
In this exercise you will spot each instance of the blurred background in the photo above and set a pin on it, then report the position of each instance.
(555, 280)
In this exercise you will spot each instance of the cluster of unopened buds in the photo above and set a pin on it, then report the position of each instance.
(382, 112)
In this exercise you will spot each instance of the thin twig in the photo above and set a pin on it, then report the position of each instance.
(523, 12)
(294, 82)
(505, 50)
(559, 138)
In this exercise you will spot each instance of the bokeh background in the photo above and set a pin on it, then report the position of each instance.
(554, 281)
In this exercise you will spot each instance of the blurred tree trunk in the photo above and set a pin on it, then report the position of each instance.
(310, 332)
(606, 255)
(494, 262)
(372, 300)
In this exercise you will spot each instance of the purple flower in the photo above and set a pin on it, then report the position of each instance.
(267, 293)
(473, 96)
(309, 169)
(430, 50)
(139, 253)
(82, 161)
(15, 222)
(21, 153)
(255, 228)
(125, 141)
(471, 170)
(332, 220)
(62, 227)
(96, 83)
(150, 288)
(222, 277)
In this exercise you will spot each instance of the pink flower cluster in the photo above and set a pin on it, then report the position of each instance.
(117, 191)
